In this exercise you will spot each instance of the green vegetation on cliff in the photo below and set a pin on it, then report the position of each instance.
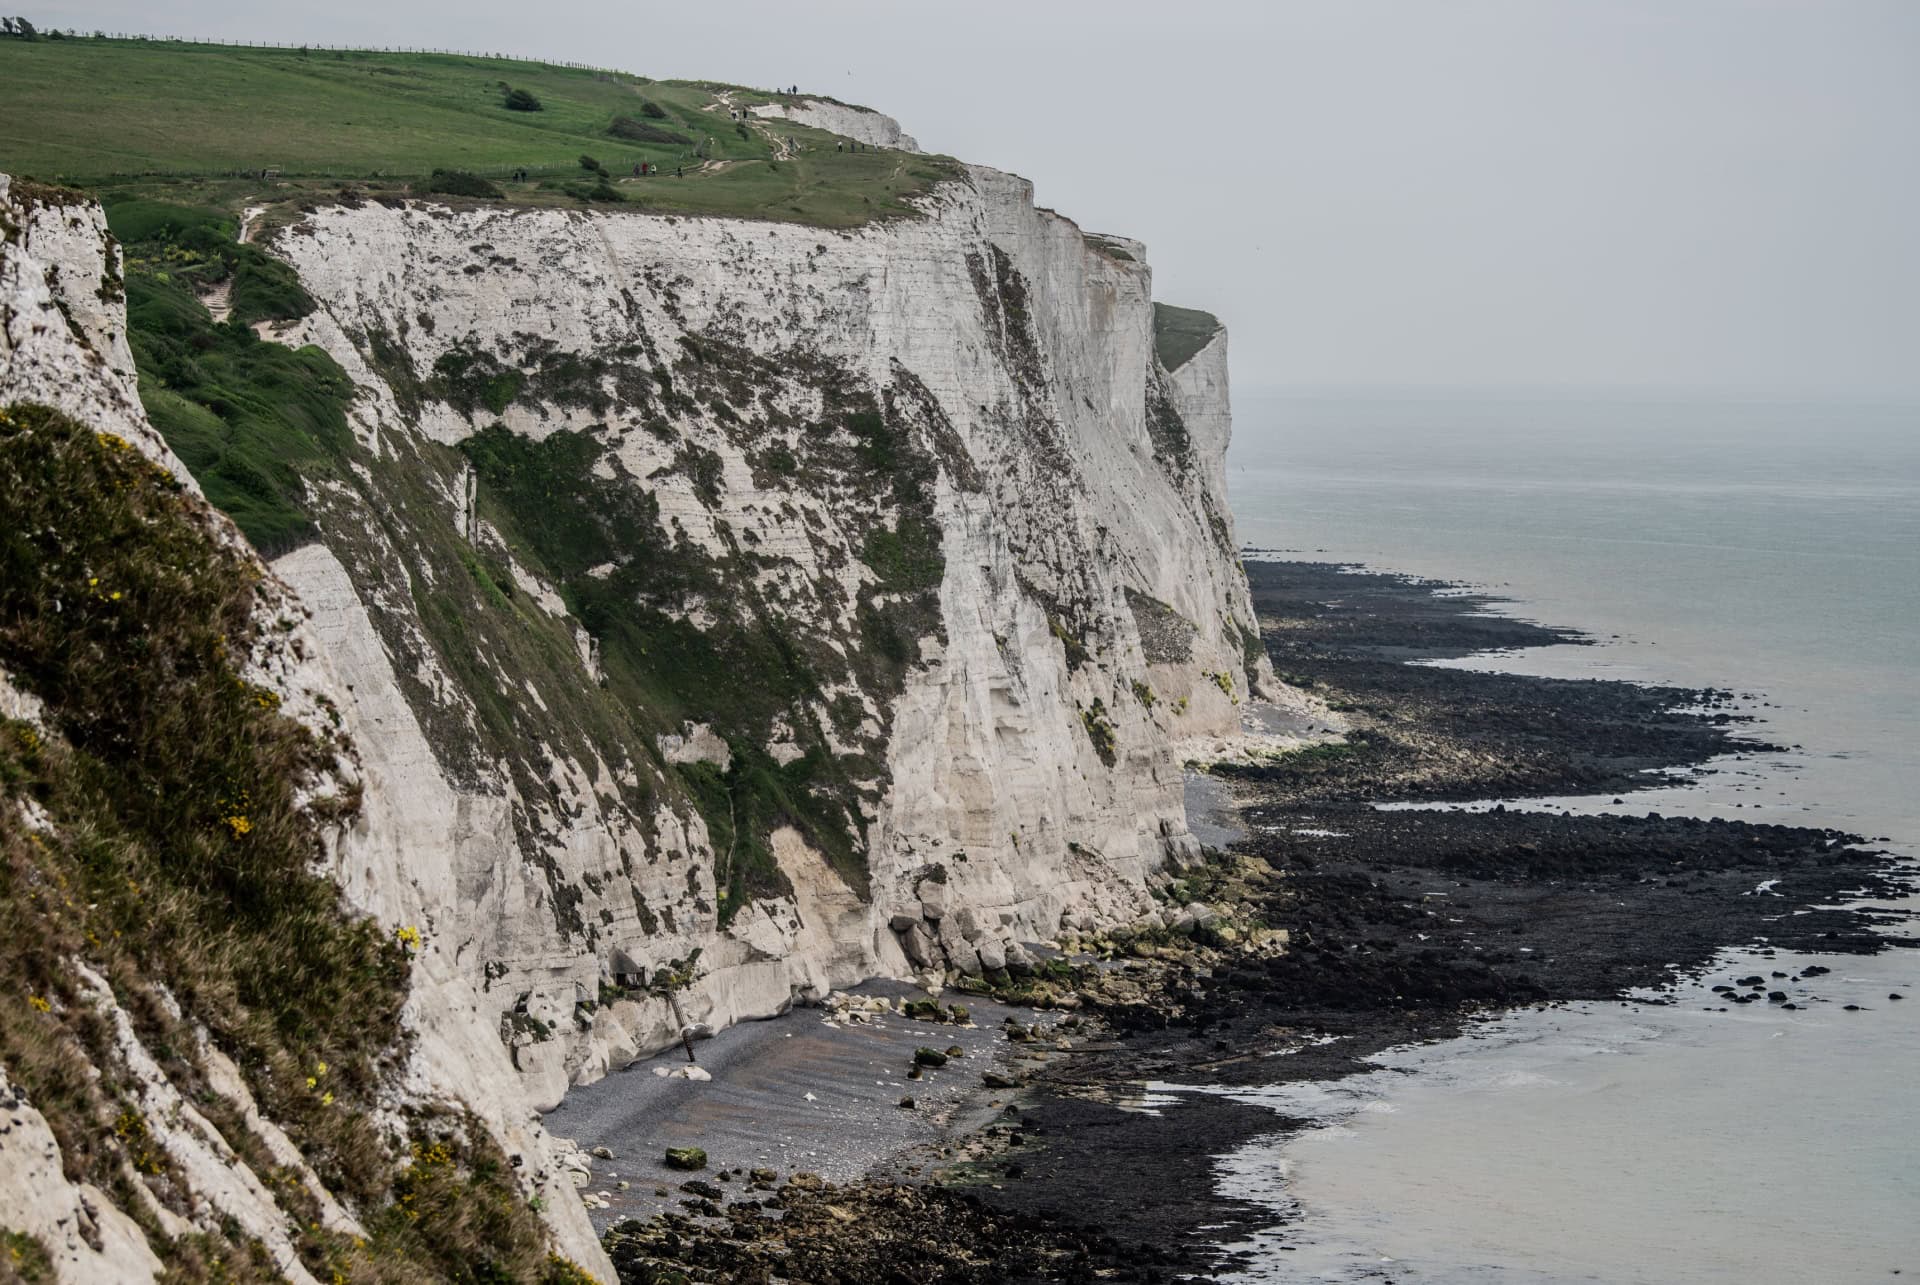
(255, 421)
(229, 125)
(162, 822)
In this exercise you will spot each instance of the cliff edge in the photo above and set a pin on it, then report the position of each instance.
(677, 617)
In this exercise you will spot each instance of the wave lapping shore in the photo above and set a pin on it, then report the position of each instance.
(1330, 931)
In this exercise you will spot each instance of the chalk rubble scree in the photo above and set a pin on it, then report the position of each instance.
(1016, 768)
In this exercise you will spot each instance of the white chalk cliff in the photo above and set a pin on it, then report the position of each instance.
(862, 124)
(737, 608)
(1089, 604)
(63, 343)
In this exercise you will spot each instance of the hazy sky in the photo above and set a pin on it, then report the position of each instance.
(1697, 196)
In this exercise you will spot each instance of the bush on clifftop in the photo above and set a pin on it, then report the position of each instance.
(460, 183)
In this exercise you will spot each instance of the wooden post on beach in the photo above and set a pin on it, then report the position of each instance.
(686, 1032)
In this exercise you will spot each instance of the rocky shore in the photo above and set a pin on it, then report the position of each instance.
(1332, 930)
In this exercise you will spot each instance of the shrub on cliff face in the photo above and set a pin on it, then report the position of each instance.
(740, 674)
(23, 1259)
(251, 418)
(469, 380)
(265, 289)
(1100, 731)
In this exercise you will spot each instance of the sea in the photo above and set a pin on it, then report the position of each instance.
(1772, 549)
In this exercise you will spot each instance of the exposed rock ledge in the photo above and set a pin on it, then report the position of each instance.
(858, 123)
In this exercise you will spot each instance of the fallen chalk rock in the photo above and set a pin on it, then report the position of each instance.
(922, 950)
(933, 899)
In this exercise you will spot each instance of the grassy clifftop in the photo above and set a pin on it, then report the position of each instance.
(200, 121)
(1180, 333)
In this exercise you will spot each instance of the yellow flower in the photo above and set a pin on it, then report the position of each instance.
(40, 1005)
(312, 1083)
(320, 1068)
(326, 1099)
(239, 825)
(408, 937)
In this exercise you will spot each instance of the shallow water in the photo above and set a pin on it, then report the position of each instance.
(1771, 550)
(1617, 1142)
(1775, 550)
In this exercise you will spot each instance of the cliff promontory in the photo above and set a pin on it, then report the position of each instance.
(734, 598)
(598, 622)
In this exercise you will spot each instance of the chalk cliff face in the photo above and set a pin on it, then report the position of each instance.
(63, 344)
(718, 611)
(847, 600)
(63, 326)
(861, 124)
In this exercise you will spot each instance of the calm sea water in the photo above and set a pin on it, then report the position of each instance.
(1771, 549)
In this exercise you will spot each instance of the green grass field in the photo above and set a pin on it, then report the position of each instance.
(1180, 333)
(191, 122)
